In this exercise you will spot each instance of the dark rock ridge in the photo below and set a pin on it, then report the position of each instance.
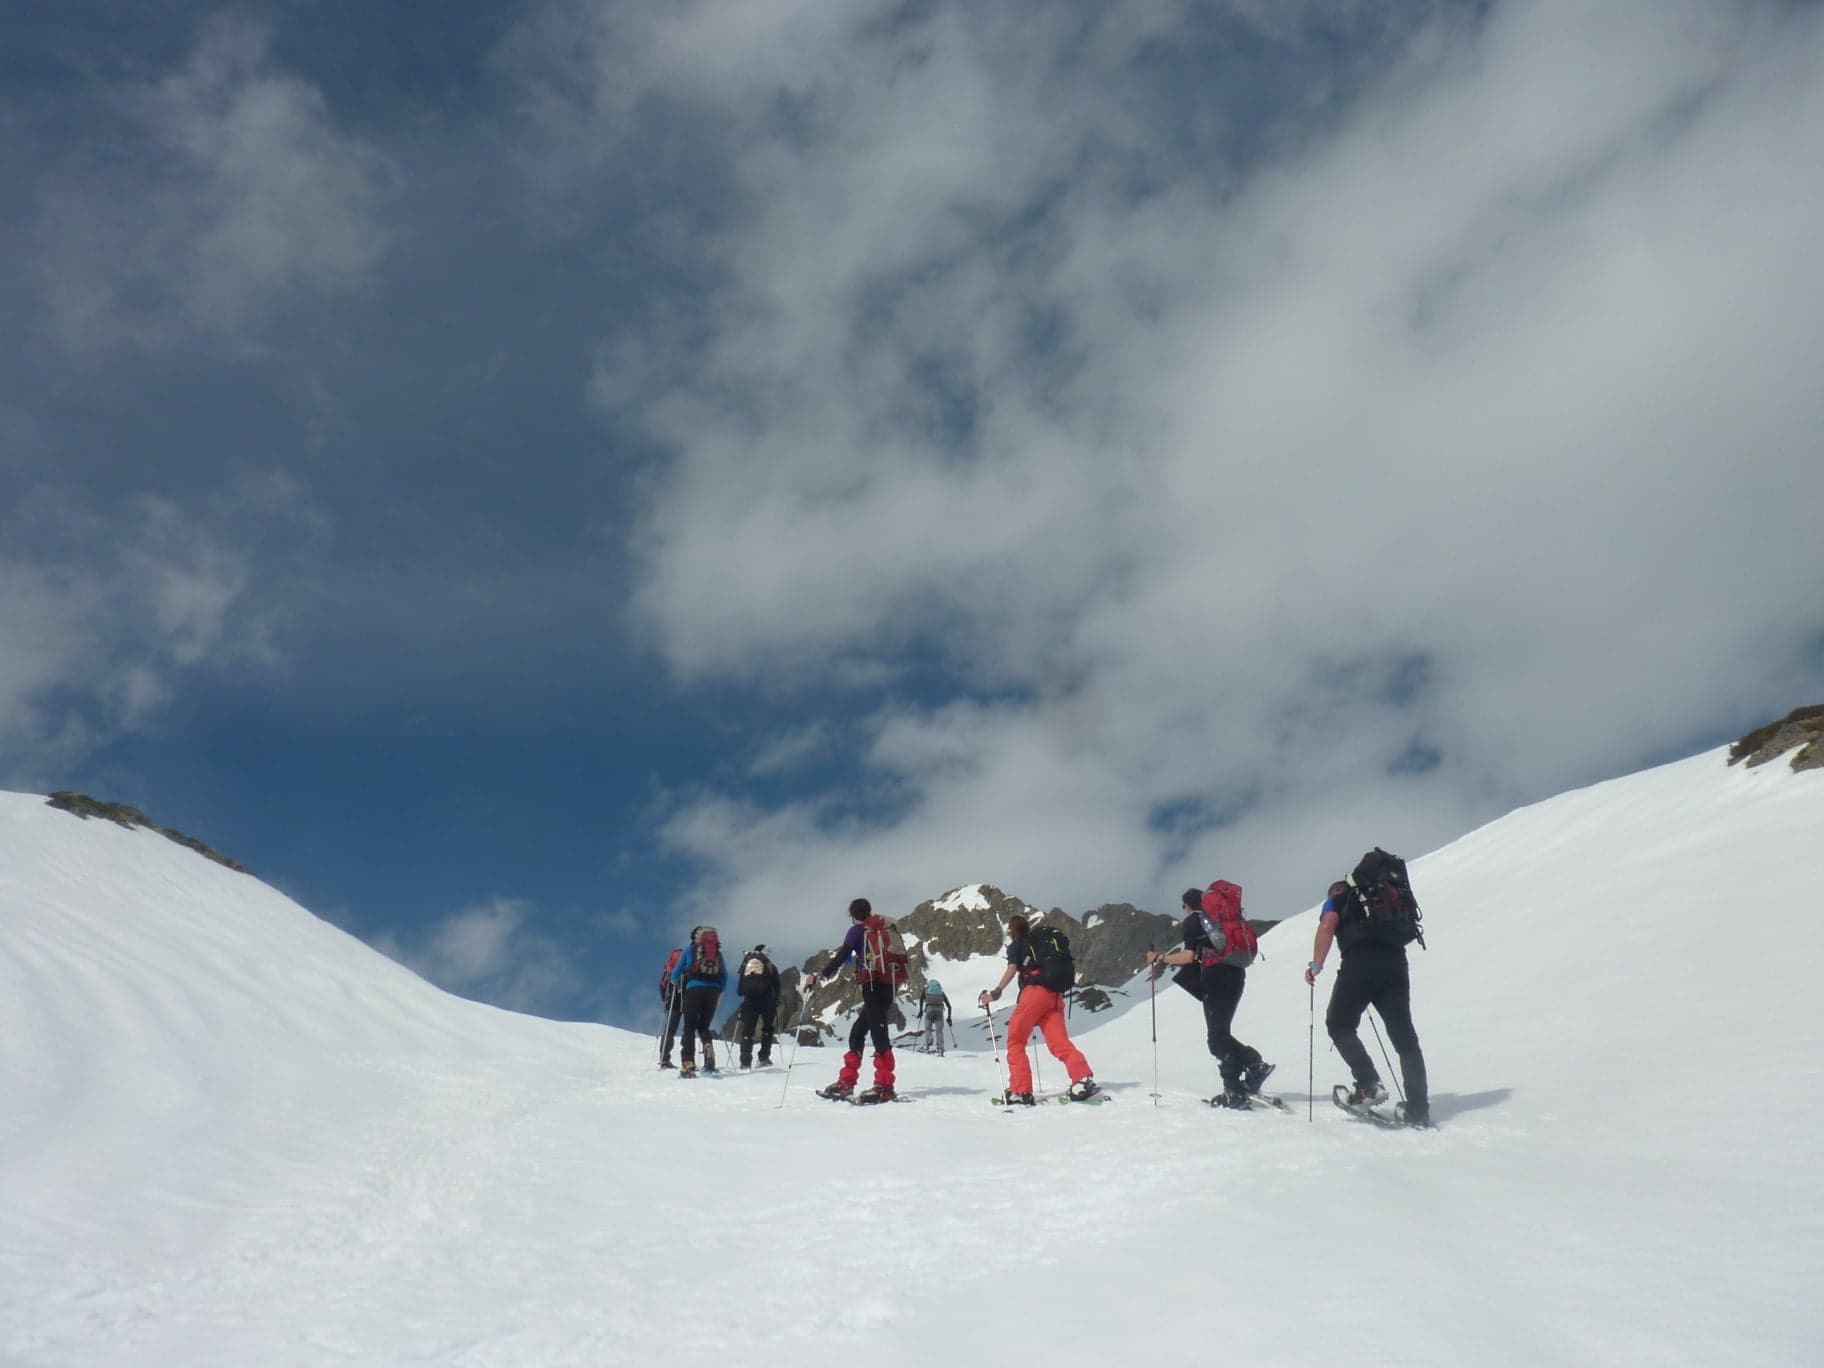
(1108, 944)
(1802, 728)
(86, 807)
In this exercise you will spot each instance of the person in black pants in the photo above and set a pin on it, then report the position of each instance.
(700, 977)
(1219, 988)
(1372, 975)
(758, 988)
(873, 1019)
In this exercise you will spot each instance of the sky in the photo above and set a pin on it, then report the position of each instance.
(235, 1135)
(529, 484)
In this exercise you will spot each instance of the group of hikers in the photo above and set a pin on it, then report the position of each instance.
(1369, 918)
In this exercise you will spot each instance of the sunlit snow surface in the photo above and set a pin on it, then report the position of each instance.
(232, 1135)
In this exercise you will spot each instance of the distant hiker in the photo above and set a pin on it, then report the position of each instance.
(673, 1002)
(881, 971)
(1373, 973)
(937, 1015)
(699, 979)
(1218, 947)
(1044, 979)
(757, 985)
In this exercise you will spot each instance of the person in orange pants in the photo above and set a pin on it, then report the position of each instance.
(1039, 1008)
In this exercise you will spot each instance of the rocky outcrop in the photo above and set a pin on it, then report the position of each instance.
(1800, 731)
(85, 807)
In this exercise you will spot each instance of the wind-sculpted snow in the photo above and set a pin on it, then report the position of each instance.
(232, 1135)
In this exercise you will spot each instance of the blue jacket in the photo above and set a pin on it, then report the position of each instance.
(718, 980)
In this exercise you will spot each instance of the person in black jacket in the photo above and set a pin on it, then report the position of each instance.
(1218, 986)
(1373, 974)
(757, 985)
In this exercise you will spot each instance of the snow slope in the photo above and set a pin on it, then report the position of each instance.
(232, 1135)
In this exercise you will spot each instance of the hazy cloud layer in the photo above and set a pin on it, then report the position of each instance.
(1461, 452)
(490, 952)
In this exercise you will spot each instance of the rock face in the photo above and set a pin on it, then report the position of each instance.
(85, 807)
(1801, 730)
(1108, 945)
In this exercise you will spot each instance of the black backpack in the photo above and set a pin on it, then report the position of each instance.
(1052, 966)
(757, 975)
(1382, 907)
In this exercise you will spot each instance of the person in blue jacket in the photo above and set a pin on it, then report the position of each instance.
(701, 975)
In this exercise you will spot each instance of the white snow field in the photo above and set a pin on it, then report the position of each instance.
(233, 1135)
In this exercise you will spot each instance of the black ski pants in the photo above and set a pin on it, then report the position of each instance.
(698, 1023)
(758, 1009)
(1220, 987)
(873, 1019)
(1376, 976)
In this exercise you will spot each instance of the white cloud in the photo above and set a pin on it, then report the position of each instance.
(1477, 433)
(228, 191)
(489, 951)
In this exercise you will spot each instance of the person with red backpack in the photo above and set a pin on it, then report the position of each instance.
(699, 978)
(880, 965)
(1218, 947)
(1045, 976)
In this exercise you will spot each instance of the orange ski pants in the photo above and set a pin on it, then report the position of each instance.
(1042, 1009)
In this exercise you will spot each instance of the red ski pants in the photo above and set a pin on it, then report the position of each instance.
(1042, 1009)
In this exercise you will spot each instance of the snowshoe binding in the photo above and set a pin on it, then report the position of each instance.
(837, 1091)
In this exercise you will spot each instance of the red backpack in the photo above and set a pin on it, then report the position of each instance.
(1232, 940)
(671, 963)
(706, 953)
(883, 953)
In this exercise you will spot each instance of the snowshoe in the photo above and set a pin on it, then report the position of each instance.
(667, 1064)
(1235, 1099)
(874, 1095)
(1012, 1099)
(1419, 1118)
(837, 1091)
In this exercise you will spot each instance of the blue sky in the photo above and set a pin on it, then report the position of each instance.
(530, 482)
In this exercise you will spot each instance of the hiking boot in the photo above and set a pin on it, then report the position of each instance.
(880, 1092)
(667, 1064)
(1236, 1099)
(1256, 1074)
(766, 1061)
(1367, 1094)
(837, 1091)
(1012, 1099)
(1084, 1089)
(1419, 1118)
(688, 1070)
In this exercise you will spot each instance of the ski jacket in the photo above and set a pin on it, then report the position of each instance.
(932, 1005)
(1019, 955)
(851, 945)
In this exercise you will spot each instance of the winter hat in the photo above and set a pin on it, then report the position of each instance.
(861, 908)
(1193, 899)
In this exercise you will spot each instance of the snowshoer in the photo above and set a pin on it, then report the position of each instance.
(700, 977)
(1216, 980)
(877, 992)
(1039, 1008)
(757, 985)
(1372, 974)
(672, 1001)
(937, 1015)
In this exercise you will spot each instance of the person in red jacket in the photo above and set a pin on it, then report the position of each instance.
(1041, 1009)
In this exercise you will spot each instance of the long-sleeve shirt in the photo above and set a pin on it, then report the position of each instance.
(851, 945)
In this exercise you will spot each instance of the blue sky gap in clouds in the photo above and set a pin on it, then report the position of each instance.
(531, 482)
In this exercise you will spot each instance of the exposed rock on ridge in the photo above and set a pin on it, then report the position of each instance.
(1802, 728)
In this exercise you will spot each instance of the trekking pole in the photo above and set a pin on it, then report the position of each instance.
(798, 1030)
(1152, 999)
(1311, 1057)
(991, 1040)
(671, 1016)
(1398, 1090)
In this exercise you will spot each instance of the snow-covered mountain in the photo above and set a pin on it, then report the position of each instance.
(232, 1135)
